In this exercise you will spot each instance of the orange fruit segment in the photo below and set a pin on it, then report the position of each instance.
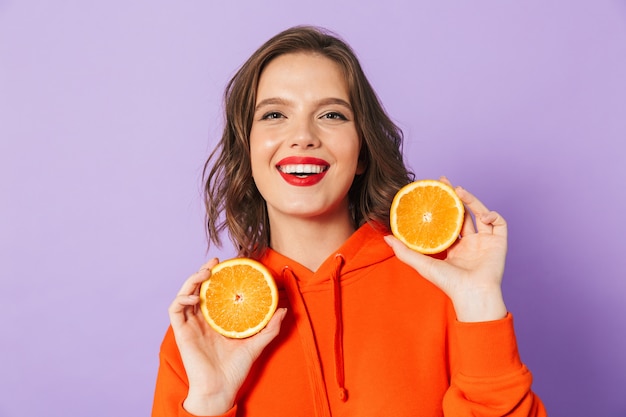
(427, 216)
(239, 298)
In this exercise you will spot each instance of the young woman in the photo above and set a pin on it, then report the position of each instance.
(302, 180)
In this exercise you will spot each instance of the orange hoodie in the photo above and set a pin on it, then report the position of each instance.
(365, 335)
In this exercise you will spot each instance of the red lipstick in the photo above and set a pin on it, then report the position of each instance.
(302, 171)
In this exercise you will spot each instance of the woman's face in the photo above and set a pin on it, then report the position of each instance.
(304, 143)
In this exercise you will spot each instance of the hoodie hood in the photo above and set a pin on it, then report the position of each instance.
(363, 249)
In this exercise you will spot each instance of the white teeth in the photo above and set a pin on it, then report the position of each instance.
(302, 169)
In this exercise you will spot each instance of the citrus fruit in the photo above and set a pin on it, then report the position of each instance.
(427, 216)
(239, 298)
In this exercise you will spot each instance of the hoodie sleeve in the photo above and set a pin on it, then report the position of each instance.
(488, 377)
(171, 384)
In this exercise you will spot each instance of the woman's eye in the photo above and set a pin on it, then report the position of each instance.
(272, 115)
(334, 116)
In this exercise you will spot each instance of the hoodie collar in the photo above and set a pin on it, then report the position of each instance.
(364, 248)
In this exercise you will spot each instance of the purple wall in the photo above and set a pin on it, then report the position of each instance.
(108, 110)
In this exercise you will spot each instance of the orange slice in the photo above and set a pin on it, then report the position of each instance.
(427, 216)
(239, 298)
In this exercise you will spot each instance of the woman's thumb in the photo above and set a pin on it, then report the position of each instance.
(423, 264)
(265, 336)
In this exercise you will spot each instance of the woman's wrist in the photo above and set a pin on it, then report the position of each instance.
(207, 405)
(480, 305)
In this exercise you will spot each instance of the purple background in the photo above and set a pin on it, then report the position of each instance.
(108, 110)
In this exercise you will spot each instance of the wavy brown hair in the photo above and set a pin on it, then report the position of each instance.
(232, 200)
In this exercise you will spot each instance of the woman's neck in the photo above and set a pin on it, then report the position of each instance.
(310, 242)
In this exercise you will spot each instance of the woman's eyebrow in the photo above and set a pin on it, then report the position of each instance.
(272, 101)
(335, 100)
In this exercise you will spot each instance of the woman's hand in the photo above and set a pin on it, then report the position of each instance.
(216, 366)
(471, 274)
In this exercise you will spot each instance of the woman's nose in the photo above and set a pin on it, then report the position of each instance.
(305, 136)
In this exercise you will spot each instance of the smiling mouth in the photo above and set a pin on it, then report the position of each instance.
(302, 170)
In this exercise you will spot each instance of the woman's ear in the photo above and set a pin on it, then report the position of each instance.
(360, 167)
(362, 162)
